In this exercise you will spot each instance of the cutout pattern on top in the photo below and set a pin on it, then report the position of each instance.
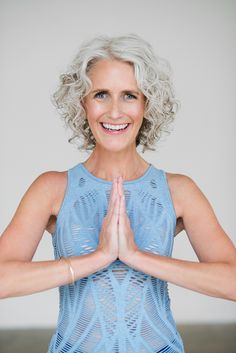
(117, 309)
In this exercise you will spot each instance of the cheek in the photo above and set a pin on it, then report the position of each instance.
(137, 111)
(93, 110)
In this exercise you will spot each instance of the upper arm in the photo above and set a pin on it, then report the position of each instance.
(20, 239)
(207, 237)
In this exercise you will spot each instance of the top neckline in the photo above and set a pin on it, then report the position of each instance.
(125, 182)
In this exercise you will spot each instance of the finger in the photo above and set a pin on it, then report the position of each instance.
(115, 210)
(120, 185)
(122, 210)
(113, 193)
(122, 203)
(113, 199)
(121, 193)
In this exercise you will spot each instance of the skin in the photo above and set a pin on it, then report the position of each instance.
(116, 160)
(206, 277)
(114, 155)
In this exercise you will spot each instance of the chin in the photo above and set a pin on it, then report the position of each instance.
(115, 147)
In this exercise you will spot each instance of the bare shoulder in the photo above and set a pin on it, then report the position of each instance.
(55, 182)
(179, 185)
(36, 208)
(184, 187)
(178, 180)
(207, 237)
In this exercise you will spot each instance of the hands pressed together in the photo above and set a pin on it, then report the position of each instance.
(116, 236)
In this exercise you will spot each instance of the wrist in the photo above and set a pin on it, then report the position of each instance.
(131, 258)
(103, 258)
(70, 268)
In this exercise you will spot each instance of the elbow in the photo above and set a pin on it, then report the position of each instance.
(3, 295)
(231, 284)
(3, 290)
(231, 295)
(4, 283)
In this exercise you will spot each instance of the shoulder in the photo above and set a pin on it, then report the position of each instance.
(179, 180)
(51, 180)
(183, 189)
(53, 183)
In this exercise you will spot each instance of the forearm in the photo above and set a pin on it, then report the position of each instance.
(213, 279)
(19, 278)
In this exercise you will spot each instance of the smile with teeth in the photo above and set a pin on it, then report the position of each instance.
(112, 127)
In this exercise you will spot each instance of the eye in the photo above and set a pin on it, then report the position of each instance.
(100, 94)
(130, 96)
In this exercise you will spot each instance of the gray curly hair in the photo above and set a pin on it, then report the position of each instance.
(153, 75)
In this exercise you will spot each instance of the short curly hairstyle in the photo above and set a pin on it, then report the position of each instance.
(153, 75)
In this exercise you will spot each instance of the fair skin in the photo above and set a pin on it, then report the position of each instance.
(115, 99)
(116, 156)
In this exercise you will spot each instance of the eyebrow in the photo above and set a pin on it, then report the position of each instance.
(124, 91)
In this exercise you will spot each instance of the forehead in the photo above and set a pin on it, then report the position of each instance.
(111, 70)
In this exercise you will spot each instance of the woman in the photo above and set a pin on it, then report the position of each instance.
(113, 218)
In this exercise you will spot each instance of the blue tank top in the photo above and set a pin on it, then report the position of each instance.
(117, 309)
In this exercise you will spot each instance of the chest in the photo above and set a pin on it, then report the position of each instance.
(151, 219)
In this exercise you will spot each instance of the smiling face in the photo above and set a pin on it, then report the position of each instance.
(116, 100)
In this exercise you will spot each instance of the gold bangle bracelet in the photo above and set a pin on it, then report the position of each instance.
(67, 260)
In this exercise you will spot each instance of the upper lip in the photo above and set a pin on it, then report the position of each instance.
(104, 122)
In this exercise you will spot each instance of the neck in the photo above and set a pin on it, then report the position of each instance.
(111, 165)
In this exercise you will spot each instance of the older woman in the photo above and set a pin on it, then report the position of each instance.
(113, 217)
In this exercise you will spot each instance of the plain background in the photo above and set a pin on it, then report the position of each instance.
(38, 41)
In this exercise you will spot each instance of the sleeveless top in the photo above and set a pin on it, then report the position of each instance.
(117, 309)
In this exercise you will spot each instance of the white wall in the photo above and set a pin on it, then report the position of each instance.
(38, 40)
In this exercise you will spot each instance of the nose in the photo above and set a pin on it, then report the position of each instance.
(115, 109)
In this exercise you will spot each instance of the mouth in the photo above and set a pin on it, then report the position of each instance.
(114, 129)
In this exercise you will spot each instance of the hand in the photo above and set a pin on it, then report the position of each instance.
(126, 243)
(108, 241)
